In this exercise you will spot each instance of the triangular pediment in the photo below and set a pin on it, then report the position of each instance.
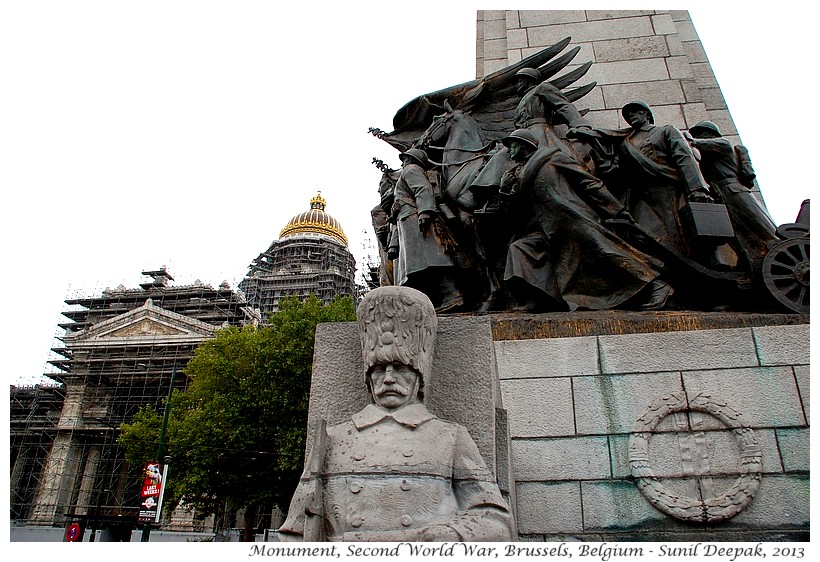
(145, 327)
(146, 323)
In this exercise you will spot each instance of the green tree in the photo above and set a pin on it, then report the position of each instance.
(237, 434)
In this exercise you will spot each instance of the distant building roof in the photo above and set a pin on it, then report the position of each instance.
(316, 220)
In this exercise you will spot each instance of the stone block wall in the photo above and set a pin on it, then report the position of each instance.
(651, 55)
(573, 402)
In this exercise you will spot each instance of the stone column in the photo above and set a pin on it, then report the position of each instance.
(63, 463)
(85, 496)
(59, 479)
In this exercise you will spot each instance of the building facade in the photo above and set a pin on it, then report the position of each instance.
(120, 352)
(310, 257)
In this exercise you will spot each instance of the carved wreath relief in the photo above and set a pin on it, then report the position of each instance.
(697, 427)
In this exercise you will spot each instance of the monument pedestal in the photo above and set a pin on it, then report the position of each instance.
(623, 426)
(575, 387)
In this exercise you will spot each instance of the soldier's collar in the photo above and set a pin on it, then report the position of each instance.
(410, 416)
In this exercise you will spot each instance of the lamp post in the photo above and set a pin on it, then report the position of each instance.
(146, 529)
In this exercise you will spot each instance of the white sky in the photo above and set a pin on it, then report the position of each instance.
(186, 134)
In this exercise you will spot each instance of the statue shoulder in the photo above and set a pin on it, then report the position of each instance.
(455, 431)
(443, 425)
(669, 131)
(413, 174)
(340, 429)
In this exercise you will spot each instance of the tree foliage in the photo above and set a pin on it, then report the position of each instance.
(237, 434)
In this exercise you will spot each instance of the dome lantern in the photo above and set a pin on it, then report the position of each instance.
(318, 202)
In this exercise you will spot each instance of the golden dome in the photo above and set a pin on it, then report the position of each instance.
(316, 220)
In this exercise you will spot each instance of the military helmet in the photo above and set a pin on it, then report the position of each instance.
(522, 135)
(532, 73)
(705, 126)
(637, 105)
(417, 154)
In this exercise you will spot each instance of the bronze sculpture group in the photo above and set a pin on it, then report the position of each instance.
(509, 199)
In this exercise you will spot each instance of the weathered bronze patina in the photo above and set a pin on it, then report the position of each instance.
(520, 204)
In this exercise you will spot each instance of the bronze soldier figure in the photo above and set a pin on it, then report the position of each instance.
(721, 166)
(421, 244)
(566, 258)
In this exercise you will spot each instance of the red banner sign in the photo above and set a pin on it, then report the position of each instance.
(150, 496)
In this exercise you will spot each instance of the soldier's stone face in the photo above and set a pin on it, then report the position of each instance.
(394, 385)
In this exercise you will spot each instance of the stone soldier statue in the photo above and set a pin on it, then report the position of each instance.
(565, 257)
(544, 110)
(396, 472)
(722, 168)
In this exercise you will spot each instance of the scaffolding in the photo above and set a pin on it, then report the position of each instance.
(116, 355)
(299, 265)
(309, 258)
(34, 412)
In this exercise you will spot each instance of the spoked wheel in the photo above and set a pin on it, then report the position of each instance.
(786, 273)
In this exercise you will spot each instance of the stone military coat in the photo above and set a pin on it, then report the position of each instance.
(393, 475)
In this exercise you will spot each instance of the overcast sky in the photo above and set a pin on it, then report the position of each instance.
(186, 134)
